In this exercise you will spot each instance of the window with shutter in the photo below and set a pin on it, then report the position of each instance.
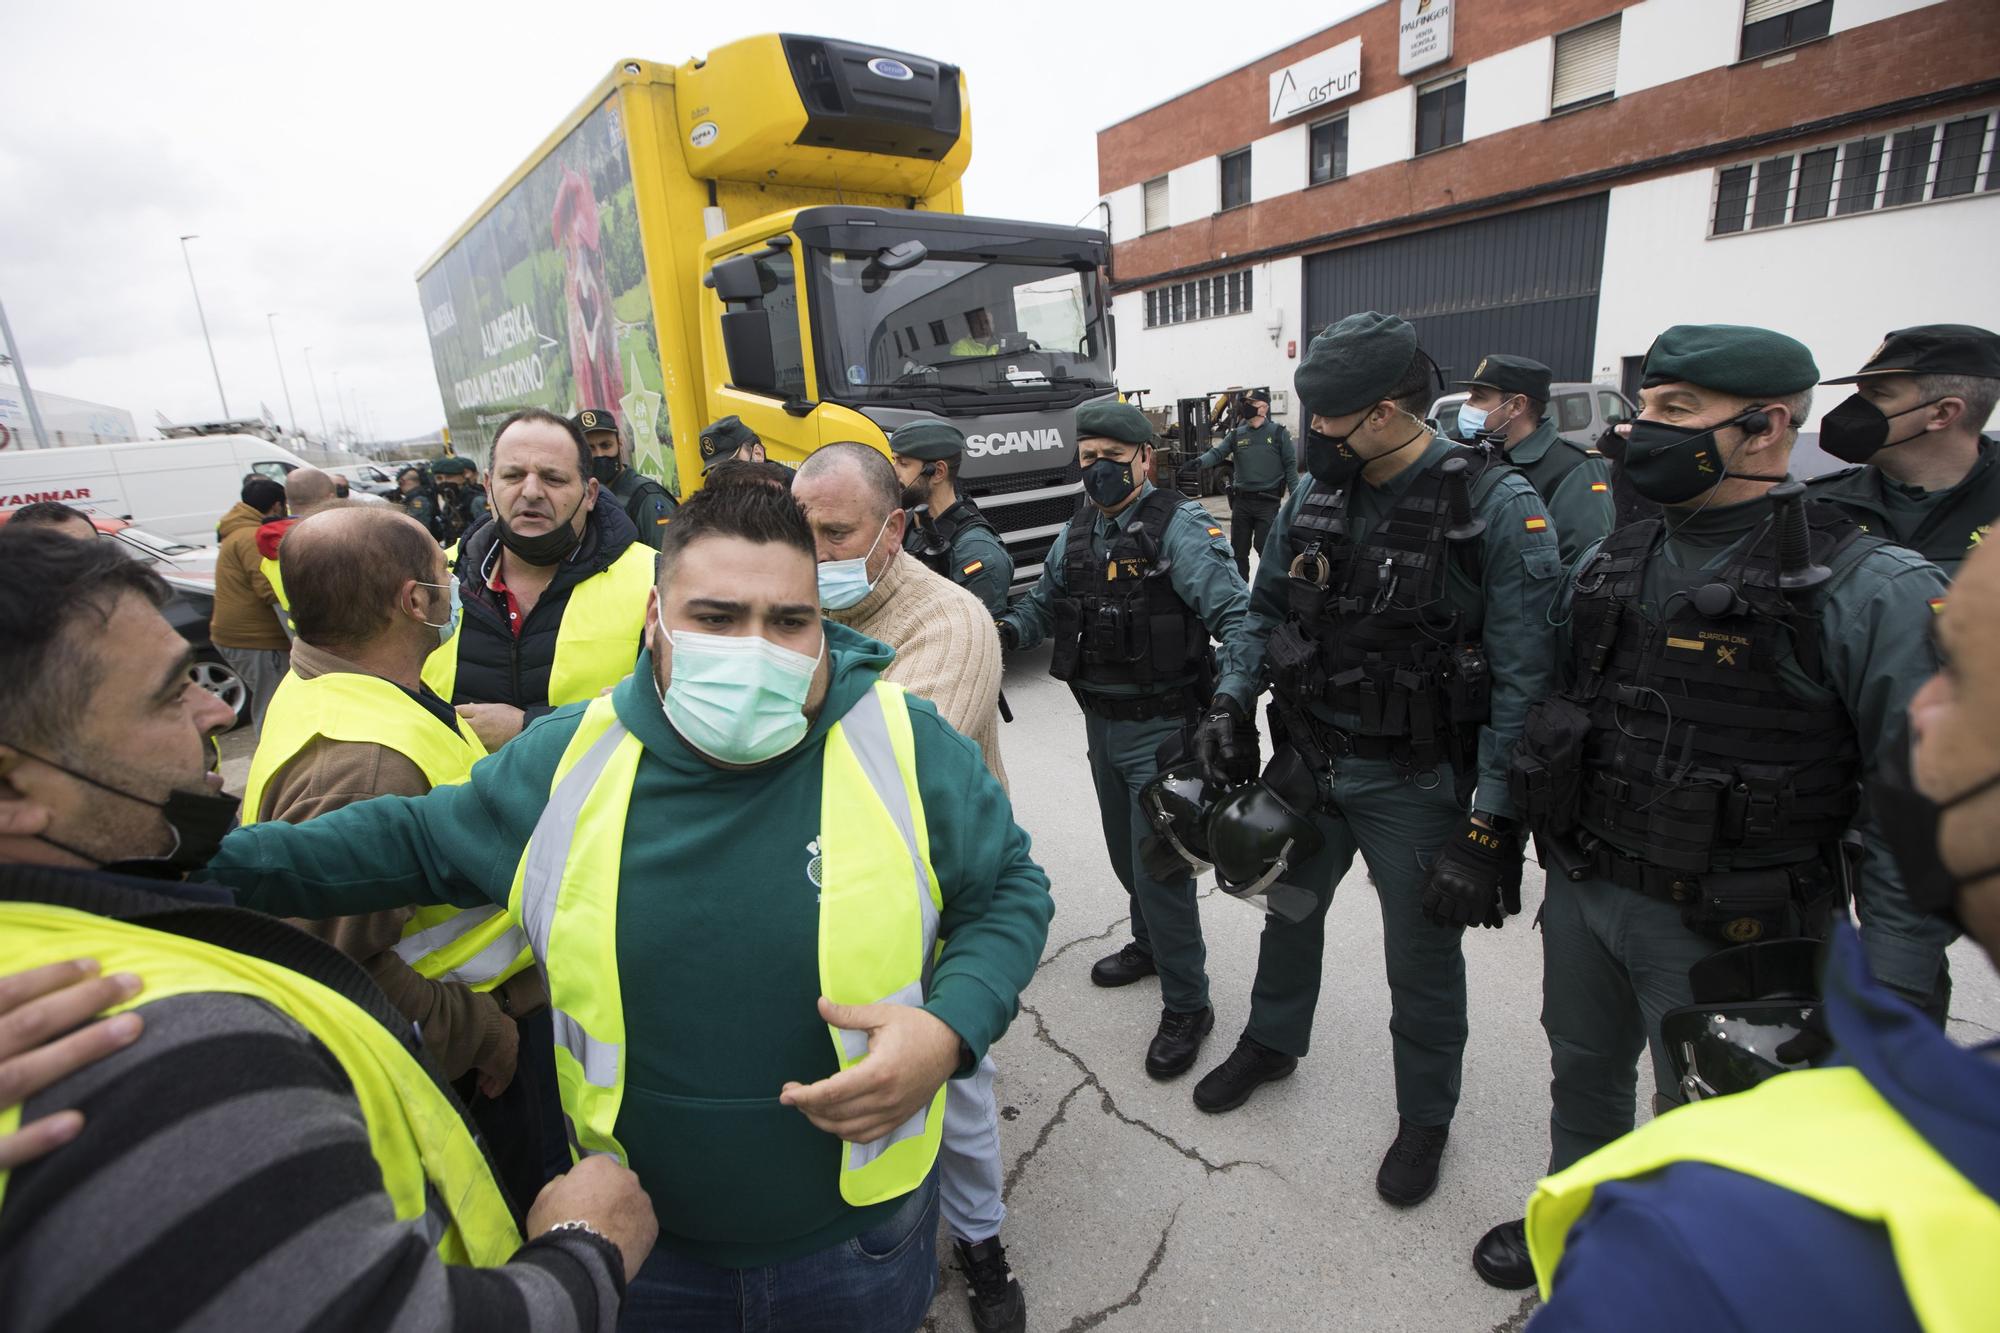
(1155, 192)
(1773, 25)
(1586, 65)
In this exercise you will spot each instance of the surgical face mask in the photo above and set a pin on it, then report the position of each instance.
(1908, 821)
(739, 699)
(1857, 430)
(199, 821)
(449, 626)
(842, 583)
(1673, 464)
(1471, 421)
(1108, 482)
(606, 470)
(547, 548)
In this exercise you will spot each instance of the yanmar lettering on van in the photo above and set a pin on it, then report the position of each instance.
(1013, 442)
(16, 499)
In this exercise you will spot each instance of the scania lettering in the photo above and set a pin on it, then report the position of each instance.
(776, 232)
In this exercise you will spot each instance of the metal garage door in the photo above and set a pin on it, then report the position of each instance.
(1522, 282)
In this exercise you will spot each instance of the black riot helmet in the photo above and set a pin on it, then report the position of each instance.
(1755, 1015)
(1177, 804)
(1256, 836)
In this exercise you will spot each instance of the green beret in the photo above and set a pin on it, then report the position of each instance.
(1730, 358)
(720, 439)
(1355, 363)
(453, 464)
(927, 441)
(1114, 421)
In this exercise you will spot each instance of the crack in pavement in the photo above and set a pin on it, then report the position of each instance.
(1104, 934)
(1517, 1321)
(1132, 1297)
(1041, 1139)
(1109, 1105)
(1971, 1023)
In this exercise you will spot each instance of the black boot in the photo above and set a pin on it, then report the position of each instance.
(1501, 1257)
(1123, 968)
(1249, 1066)
(1178, 1041)
(1410, 1168)
(990, 1288)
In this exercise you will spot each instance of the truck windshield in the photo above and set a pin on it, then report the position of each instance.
(951, 326)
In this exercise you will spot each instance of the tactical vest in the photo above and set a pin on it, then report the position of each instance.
(434, 1172)
(879, 906)
(1547, 473)
(1120, 622)
(964, 516)
(632, 490)
(1828, 1135)
(477, 946)
(1366, 633)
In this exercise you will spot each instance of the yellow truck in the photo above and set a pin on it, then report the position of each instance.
(774, 232)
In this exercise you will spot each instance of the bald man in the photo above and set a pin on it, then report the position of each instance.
(307, 491)
(353, 720)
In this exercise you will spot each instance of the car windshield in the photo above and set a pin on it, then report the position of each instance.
(153, 542)
(950, 327)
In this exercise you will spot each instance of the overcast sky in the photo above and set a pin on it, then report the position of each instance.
(323, 152)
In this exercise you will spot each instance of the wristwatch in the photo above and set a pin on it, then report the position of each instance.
(578, 1224)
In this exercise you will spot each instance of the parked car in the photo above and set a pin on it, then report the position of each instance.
(1581, 412)
(366, 478)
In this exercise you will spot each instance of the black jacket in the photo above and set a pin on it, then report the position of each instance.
(496, 666)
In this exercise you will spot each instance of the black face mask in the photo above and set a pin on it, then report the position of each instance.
(1908, 821)
(1857, 430)
(1332, 462)
(918, 492)
(1673, 464)
(548, 548)
(1107, 481)
(199, 820)
(605, 469)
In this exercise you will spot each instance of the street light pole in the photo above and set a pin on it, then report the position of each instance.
(271, 318)
(317, 404)
(21, 375)
(340, 406)
(203, 317)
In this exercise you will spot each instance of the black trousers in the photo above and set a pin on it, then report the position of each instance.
(1250, 515)
(523, 1126)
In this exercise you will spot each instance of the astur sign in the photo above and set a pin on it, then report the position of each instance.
(1316, 81)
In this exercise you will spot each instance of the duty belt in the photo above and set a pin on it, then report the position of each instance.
(1602, 861)
(1184, 702)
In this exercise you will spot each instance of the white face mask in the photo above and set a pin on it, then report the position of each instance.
(842, 583)
(739, 699)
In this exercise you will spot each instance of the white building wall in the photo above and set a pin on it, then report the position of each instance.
(1508, 90)
(1194, 191)
(1813, 281)
(1278, 163)
(1182, 360)
(1382, 130)
(1661, 41)
(1855, 13)
(1128, 212)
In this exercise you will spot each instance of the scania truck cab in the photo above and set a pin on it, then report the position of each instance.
(775, 233)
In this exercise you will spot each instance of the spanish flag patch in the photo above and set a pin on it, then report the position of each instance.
(1215, 532)
(1537, 523)
(1600, 486)
(1937, 605)
(974, 567)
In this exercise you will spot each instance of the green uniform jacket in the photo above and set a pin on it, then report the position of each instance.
(717, 938)
(1506, 611)
(979, 560)
(1875, 651)
(1203, 575)
(1265, 458)
(646, 503)
(1941, 526)
(1574, 481)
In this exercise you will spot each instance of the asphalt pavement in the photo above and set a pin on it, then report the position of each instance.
(1131, 1211)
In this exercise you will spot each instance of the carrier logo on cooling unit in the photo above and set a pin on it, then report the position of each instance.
(883, 67)
(1013, 442)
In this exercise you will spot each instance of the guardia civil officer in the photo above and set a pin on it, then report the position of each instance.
(1729, 673)
(1926, 477)
(1133, 587)
(728, 438)
(1400, 615)
(1508, 407)
(1266, 467)
(646, 502)
(955, 540)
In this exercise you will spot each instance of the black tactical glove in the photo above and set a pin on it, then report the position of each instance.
(1225, 743)
(1010, 638)
(1465, 884)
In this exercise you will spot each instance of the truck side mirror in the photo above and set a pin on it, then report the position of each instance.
(737, 280)
(746, 342)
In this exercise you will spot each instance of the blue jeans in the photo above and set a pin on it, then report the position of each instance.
(879, 1282)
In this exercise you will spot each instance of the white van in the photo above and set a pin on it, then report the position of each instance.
(177, 488)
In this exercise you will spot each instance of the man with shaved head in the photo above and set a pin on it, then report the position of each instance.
(307, 491)
(353, 720)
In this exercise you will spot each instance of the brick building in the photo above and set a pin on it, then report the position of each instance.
(1563, 179)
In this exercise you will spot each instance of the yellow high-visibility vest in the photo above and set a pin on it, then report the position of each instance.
(479, 946)
(597, 642)
(276, 578)
(1828, 1135)
(878, 917)
(435, 1174)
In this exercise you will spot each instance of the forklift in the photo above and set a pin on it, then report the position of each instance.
(1198, 423)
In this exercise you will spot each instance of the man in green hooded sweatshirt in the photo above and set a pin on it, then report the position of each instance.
(735, 869)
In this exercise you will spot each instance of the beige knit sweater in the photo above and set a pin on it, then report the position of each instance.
(947, 650)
